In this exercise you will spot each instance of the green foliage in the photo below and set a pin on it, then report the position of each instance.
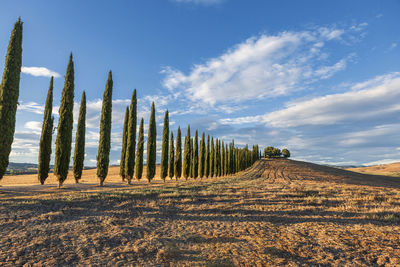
(178, 155)
(123, 149)
(139, 152)
(202, 155)
(9, 93)
(187, 155)
(196, 155)
(164, 148)
(212, 158)
(207, 159)
(222, 159)
(272, 152)
(171, 157)
(46, 136)
(151, 145)
(286, 153)
(79, 155)
(103, 155)
(191, 171)
(131, 139)
(65, 124)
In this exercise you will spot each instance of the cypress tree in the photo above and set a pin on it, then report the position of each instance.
(131, 139)
(139, 152)
(222, 159)
(65, 125)
(196, 155)
(216, 158)
(202, 156)
(79, 154)
(171, 157)
(103, 155)
(151, 145)
(178, 155)
(226, 159)
(123, 149)
(207, 159)
(9, 92)
(186, 156)
(212, 159)
(191, 158)
(164, 148)
(46, 136)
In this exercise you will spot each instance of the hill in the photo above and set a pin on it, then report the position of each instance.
(391, 169)
(277, 213)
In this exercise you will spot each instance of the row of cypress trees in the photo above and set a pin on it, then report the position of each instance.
(200, 159)
(204, 160)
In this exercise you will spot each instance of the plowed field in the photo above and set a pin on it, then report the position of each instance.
(278, 212)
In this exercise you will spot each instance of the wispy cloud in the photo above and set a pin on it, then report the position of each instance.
(266, 65)
(40, 71)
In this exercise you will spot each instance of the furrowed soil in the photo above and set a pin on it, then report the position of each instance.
(278, 212)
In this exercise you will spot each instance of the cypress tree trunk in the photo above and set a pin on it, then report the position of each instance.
(171, 157)
(151, 145)
(186, 156)
(65, 124)
(9, 93)
(139, 152)
(202, 156)
(46, 136)
(164, 148)
(79, 155)
(178, 155)
(196, 155)
(103, 156)
(212, 152)
(207, 160)
(131, 139)
(123, 149)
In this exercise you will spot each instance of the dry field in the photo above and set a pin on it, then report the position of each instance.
(391, 169)
(279, 212)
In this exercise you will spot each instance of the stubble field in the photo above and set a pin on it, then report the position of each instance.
(278, 212)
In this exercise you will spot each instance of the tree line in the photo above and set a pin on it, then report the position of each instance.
(201, 158)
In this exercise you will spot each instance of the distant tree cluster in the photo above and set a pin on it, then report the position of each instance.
(273, 152)
(201, 158)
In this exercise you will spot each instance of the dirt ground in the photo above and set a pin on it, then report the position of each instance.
(278, 212)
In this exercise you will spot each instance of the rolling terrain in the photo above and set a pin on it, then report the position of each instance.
(391, 169)
(278, 212)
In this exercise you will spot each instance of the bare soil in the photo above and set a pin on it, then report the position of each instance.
(278, 212)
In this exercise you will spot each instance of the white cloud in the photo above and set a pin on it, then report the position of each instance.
(32, 107)
(34, 125)
(261, 66)
(39, 71)
(368, 102)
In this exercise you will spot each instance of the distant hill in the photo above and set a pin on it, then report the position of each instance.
(29, 168)
(391, 169)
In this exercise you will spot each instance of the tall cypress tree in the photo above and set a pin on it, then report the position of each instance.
(186, 156)
(79, 154)
(164, 148)
(65, 124)
(191, 158)
(139, 152)
(171, 157)
(226, 159)
(45, 138)
(222, 159)
(212, 159)
(131, 139)
(202, 156)
(178, 155)
(151, 145)
(103, 155)
(207, 159)
(196, 155)
(216, 158)
(123, 149)
(9, 92)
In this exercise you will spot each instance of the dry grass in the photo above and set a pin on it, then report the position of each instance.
(279, 212)
(392, 169)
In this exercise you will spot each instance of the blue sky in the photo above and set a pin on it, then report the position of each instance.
(321, 78)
